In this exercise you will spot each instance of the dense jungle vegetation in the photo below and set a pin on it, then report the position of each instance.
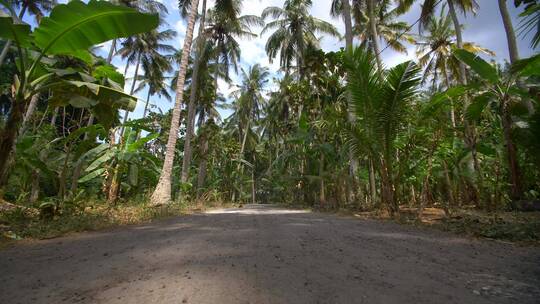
(458, 128)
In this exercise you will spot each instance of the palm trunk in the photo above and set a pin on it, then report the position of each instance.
(372, 185)
(29, 111)
(8, 136)
(511, 150)
(253, 191)
(162, 193)
(373, 33)
(137, 65)
(348, 24)
(5, 50)
(470, 137)
(510, 34)
(201, 176)
(146, 104)
(186, 161)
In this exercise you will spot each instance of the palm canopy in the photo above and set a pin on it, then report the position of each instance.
(295, 29)
(380, 99)
(224, 30)
(147, 45)
(429, 8)
(391, 31)
(250, 98)
(37, 8)
(435, 46)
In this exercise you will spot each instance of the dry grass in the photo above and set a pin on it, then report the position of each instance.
(25, 223)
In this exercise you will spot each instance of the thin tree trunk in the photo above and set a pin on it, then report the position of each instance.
(510, 34)
(126, 114)
(253, 191)
(372, 185)
(470, 137)
(348, 24)
(29, 112)
(511, 150)
(186, 161)
(373, 33)
(162, 193)
(449, 189)
(146, 104)
(201, 176)
(8, 136)
(111, 52)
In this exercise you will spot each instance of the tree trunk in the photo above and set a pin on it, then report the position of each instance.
(162, 193)
(348, 24)
(126, 114)
(29, 111)
(8, 136)
(513, 163)
(190, 123)
(510, 34)
(146, 104)
(201, 176)
(373, 33)
(470, 132)
(372, 185)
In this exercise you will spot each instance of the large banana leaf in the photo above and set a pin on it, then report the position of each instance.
(77, 26)
(478, 65)
(20, 33)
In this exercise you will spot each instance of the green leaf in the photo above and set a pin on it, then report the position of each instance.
(528, 66)
(475, 109)
(77, 26)
(101, 160)
(478, 65)
(19, 33)
(91, 175)
(141, 142)
(108, 71)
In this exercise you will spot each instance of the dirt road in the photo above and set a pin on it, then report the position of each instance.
(268, 255)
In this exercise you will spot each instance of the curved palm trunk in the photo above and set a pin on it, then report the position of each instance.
(511, 151)
(510, 34)
(162, 193)
(186, 161)
(373, 33)
(348, 24)
(470, 132)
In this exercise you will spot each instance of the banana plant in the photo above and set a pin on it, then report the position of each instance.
(71, 29)
(111, 160)
(504, 94)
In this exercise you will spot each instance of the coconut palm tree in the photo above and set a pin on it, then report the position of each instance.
(434, 52)
(510, 33)
(222, 31)
(295, 29)
(342, 8)
(146, 49)
(387, 29)
(162, 193)
(380, 100)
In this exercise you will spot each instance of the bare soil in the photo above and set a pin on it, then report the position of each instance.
(265, 254)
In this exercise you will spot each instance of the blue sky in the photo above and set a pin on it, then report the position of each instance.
(484, 29)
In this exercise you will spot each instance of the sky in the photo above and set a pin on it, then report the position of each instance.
(485, 29)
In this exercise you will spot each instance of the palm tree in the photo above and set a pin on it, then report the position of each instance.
(510, 34)
(380, 100)
(295, 30)
(248, 107)
(434, 52)
(37, 8)
(384, 26)
(162, 193)
(223, 30)
(146, 49)
(342, 8)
